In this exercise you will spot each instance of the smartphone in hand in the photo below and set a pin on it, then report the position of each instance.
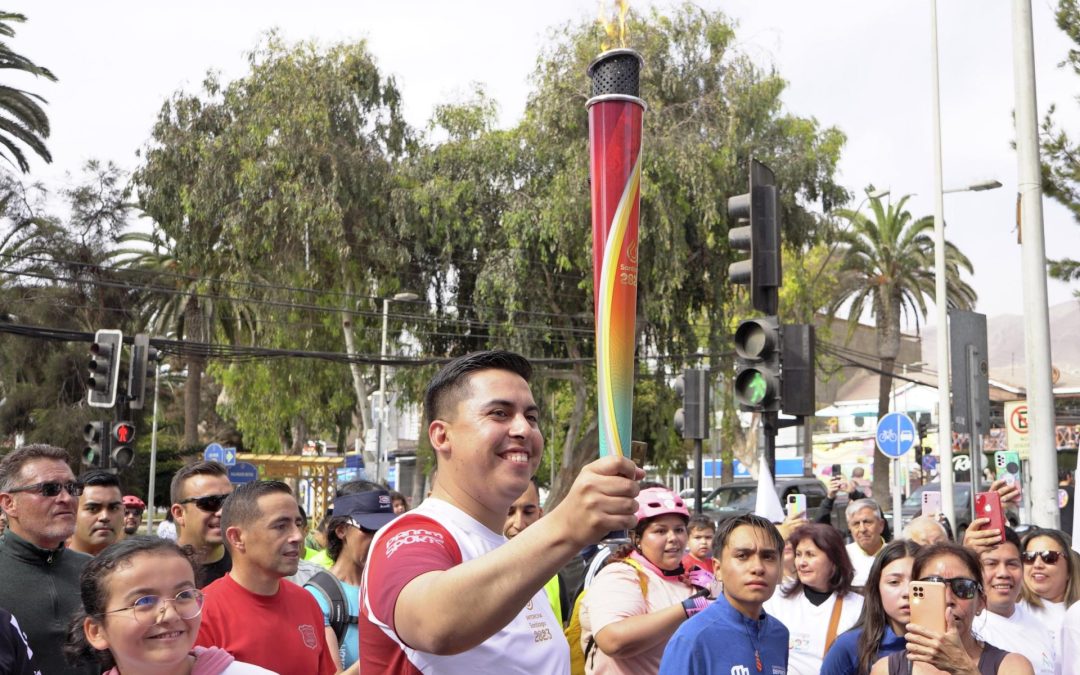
(927, 600)
(931, 503)
(796, 505)
(988, 505)
(1007, 466)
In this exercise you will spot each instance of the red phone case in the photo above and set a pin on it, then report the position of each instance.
(988, 505)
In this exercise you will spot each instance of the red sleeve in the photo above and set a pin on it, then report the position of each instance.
(208, 636)
(410, 546)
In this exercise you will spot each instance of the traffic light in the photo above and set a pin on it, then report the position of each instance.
(94, 433)
(797, 381)
(144, 359)
(757, 375)
(104, 368)
(123, 441)
(692, 419)
(758, 215)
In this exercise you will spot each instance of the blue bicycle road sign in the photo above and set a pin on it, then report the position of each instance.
(895, 435)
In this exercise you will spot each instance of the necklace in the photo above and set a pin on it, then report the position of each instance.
(753, 643)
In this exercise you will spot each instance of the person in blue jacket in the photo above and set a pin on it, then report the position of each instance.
(734, 636)
(885, 613)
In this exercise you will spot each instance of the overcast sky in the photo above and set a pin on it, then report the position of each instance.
(861, 65)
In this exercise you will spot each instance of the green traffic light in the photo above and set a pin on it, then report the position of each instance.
(756, 388)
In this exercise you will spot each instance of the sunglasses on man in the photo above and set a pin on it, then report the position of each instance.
(208, 503)
(1048, 557)
(52, 488)
(961, 587)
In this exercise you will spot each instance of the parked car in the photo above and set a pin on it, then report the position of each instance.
(740, 497)
(912, 506)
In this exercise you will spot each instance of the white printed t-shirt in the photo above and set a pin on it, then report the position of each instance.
(438, 536)
(1021, 633)
(862, 562)
(808, 625)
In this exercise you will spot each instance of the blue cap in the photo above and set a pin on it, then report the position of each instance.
(371, 510)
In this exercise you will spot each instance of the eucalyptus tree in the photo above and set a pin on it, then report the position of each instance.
(23, 121)
(887, 270)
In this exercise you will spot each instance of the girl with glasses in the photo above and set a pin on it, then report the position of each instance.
(820, 604)
(1051, 584)
(885, 614)
(958, 649)
(141, 613)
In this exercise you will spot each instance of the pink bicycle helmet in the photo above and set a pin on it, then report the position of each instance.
(658, 501)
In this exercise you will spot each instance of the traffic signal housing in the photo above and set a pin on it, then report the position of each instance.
(144, 360)
(757, 375)
(757, 214)
(104, 368)
(797, 381)
(94, 433)
(692, 419)
(123, 444)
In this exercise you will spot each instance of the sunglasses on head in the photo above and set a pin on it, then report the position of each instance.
(209, 503)
(1048, 557)
(52, 488)
(961, 587)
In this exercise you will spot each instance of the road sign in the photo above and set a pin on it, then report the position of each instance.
(1016, 427)
(214, 453)
(243, 472)
(895, 435)
(230, 457)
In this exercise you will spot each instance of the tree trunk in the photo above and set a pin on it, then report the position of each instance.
(362, 413)
(192, 393)
(880, 485)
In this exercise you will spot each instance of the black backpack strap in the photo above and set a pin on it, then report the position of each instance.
(330, 587)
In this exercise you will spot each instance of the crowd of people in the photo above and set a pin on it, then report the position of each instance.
(479, 579)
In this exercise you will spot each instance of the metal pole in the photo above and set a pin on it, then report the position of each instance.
(153, 457)
(698, 474)
(382, 391)
(897, 501)
(975, 425)
(940, 291)
(768, 422)
(1040, 389)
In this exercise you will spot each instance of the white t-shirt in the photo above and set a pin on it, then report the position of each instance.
(1069, 656)
(1021, 633)
(808, 626)
(861, 562)
(1051, 615)
(437, 536)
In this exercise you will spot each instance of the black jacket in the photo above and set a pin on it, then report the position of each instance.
(41, 588)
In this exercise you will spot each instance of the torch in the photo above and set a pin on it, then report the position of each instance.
(615, 115)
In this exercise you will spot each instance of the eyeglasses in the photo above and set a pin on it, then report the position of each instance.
(148, 609)
(52, 488)
(962, 587)
(209, 503)
(1048, 557)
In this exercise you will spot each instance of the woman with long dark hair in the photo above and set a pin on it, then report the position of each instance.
(820, 604)
(885, 614)
(958, 650)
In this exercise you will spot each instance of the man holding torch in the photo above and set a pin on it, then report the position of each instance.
(443, 590)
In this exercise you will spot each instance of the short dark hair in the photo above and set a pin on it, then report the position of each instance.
(451, 382)
(100, 478)
(829, 540)
(1011, 537)
(353, 487)
(242, 506)
(94, 591)
(700, 521)
(12, 464)
(966, 555)
(176, 487)
(397, 496)
(723, 533)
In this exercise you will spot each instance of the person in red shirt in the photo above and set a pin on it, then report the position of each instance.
(250, 612)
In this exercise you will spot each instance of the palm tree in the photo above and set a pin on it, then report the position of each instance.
(888, 268)
(22, 119)
(181, 301)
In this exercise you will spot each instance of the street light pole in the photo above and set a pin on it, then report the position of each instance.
(380, 420)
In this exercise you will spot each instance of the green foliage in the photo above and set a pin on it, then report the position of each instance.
(23, 122)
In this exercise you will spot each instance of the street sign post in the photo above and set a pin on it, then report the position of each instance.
(895, 436)
(214, 453)
(243, 472)
(229, 458)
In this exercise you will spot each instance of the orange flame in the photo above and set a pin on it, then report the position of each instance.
(613, 23)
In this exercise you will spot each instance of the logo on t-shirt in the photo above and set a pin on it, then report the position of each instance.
(307, 632)
(740, 670)
(415, 536)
